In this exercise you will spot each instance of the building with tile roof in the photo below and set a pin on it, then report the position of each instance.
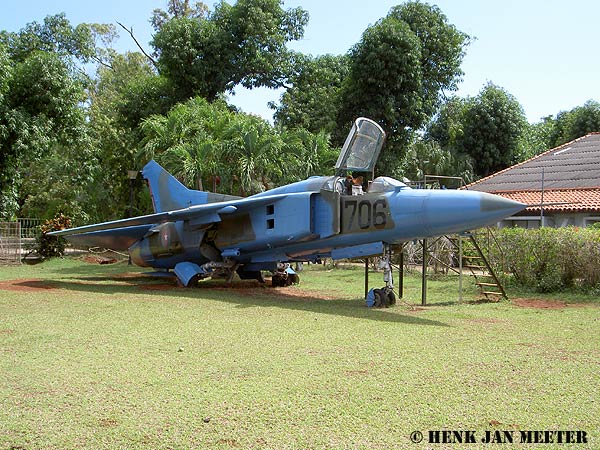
(562, 185)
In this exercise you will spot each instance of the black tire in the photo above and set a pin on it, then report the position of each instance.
(385, 301)
(391, 297)
(280, 280)
(377, 298)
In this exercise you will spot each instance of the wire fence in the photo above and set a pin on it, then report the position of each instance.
(10, 243)
(30, 227)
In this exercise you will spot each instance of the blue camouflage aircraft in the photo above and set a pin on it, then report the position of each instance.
(201, 234)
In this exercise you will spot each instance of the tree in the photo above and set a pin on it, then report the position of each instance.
(41, 110)
(114, 114)
(488, 128)
(399, 71)
(41, 93)
(240, 44)
(578, 122)
(200, 142)
(536, 138)
(80, 44)
(427, 157)
(177, 9)
(312, 99)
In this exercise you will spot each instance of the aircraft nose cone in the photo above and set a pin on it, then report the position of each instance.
(449, 212)
(490, 203)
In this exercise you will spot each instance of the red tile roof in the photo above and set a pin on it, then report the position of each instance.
(569, 200)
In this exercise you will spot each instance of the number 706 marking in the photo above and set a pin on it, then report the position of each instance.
(365, 214)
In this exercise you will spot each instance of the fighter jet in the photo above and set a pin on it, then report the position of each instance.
(197, 234)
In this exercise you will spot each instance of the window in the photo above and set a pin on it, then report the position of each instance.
(270, 224)
(270, 210)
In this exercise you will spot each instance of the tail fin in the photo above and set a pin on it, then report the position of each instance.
(169, 194)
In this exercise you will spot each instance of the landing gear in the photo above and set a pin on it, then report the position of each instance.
(384, 297)
(381, 298)
(250, 275)
(284, 276)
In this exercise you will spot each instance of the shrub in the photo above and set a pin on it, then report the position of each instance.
(549, 259)
(49, 246)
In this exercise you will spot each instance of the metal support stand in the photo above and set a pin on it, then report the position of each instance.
(424, 275)
(460, 269)
(401, 273)
(366, 277)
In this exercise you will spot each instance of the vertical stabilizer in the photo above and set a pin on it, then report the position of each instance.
(169, 194)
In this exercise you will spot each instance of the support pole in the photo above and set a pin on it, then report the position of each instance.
(366, 277)
(401, 272)
(424, 275)
(460, 269)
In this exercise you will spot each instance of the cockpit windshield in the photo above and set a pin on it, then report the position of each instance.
(362, 147)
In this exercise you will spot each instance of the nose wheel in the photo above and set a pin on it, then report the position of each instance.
(381, 298)
(385, 296)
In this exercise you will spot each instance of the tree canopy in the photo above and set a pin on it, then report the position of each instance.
(241, 44)
(397, 75)
(487, 128)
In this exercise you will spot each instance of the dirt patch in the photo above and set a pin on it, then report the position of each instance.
(27, 285)
(108, 423)
(99, 259)
(304, 293)
(356, 372)
(538, 303)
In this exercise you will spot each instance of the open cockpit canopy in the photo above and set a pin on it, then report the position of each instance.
(362, 147)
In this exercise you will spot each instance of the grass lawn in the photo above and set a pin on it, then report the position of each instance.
(102, 357)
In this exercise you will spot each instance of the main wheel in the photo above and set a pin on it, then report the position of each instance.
(293, 279)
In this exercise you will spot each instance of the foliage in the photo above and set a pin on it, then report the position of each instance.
(240, 44)
(177, 9)
(311, 100)
(57, 36)
(42, 90)
(114, 115)
(429, 158)
(40, 109)
(200, 142)
(578, 122)
(553, 131)
(488, 128)
(51, 246)
(399, 72)
(536, 139)
(551, 259)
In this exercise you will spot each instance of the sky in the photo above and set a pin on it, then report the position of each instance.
(543, 52)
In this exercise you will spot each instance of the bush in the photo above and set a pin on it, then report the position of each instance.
(549, 259)
(49, 246)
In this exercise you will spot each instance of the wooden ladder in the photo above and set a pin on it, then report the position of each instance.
(480, 269)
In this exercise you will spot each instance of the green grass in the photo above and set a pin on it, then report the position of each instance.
(100, 361)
